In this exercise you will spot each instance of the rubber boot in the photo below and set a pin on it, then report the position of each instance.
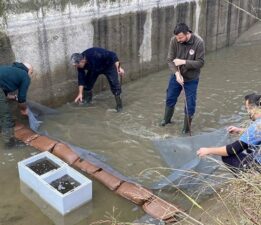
(187, 124)
(87, 96)
(9, 140)
(118, 103)
(168, 115)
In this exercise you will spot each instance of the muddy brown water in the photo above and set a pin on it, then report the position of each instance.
(124, 139)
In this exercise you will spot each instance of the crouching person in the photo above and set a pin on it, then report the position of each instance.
(245, 152)
(97, 61)
(15, 77)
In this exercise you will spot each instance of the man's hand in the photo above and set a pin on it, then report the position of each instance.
(234, 130)
(24, 112)
(179, 62)
(121, 72)
(11, 97)
(203, 152)
(179, 78)
(78, 99)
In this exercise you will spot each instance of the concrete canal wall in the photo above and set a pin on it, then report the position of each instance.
(45, 33)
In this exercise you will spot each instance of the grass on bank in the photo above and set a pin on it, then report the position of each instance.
(235, 201)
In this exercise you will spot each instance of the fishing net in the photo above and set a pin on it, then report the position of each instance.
(196, 177)
(36, 112)
(187, 170)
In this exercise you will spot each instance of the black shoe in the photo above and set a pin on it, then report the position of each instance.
(87, 97)
(14, 143)
(187, 125)
(118, 103)
(163, 123)
(168, 115)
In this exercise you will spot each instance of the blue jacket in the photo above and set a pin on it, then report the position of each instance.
(15, 77)
(252, 137)
(98, 61)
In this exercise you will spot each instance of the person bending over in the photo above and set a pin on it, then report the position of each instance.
(90, 64)
(15, 77)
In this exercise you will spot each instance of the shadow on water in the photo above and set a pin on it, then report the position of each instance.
(125, 139)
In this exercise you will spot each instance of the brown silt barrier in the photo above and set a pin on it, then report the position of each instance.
(64, 152)
(161, 210)
(152, 205)
(25, 134)
(108, 179)
(85, 166)
(18, 126)
(43, 143)
(135, 193)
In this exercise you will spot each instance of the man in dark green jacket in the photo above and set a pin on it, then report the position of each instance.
(15, 77)
(185, 59)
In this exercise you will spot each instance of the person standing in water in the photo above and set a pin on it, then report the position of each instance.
(185, 59)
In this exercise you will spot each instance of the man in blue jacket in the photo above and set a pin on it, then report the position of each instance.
(245, 152)
(15, 77)
(97, 61)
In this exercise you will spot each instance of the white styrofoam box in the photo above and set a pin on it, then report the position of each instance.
(31, 178)
(74, 217)
(64, 203)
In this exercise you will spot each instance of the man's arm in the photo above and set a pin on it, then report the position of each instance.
(120, 70)
(23, 88)
(230, 149)
(81, 83)
(79, 97)
(172, 66)
(235, 130)
(22, 93)
(221, 151)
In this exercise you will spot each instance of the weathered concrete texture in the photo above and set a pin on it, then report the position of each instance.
(122, 34)
(225, 21)
(254, 35)
(46, 33)
(6, 52)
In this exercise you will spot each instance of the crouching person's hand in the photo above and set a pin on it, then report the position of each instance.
(23, 109)
(78, 99)
(203, 152)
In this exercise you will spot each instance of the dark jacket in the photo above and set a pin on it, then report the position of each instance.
(15, 77)
(98, 61)
(192, 51)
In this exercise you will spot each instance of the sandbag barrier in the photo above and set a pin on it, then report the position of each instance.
(151, 204)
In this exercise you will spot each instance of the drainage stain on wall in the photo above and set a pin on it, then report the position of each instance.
(6, 52)
(145, 48)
